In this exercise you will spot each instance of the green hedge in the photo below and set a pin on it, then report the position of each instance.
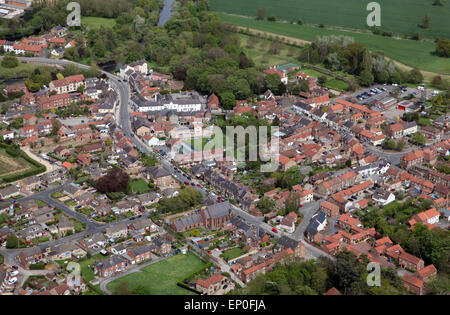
(37, 266)
(185, 286)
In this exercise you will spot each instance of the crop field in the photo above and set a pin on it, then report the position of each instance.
(417, 54)
(399, 16)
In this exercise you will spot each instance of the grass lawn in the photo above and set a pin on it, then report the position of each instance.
(337, 85)
(40, 203)
(139, 186)
(161, 278)
(258, 52)
(398, 49)
(1, 259)
(70, 203)
(399, 16)
(21, 71)
(232, 253)
(57, 195)
(96, 22)
(86, 265)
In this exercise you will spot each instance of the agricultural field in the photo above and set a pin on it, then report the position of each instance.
(161, 278)
(398, 49)
(96, 22)
(399, 16)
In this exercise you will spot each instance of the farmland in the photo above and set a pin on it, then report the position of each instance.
(398, 49)
(400, 16)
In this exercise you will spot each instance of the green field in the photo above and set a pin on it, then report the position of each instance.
(337, 85)
(161, 278)
(21, 71)
(96, 22)
(412, 53)
(400, 16)
(257, 51)
(232, 253)
(139, 186)
(11, 165)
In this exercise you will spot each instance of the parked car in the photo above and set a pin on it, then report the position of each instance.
(14, 273)
(12, 280)
(274, 230)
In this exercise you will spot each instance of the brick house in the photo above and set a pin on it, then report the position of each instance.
(427, 273)
(140, 254)
(213, 284)
(410, 261)
(329, 208)
(413, 284)
(110, 266)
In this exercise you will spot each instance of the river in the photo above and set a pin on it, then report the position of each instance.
(166, 12)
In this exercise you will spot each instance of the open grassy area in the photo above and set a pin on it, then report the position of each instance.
(232, 253)
(257, 50)
(162, 277)
(21, 71)
(10, 165)
(400, 16)
(412, 53)
(96, 22)
(337, 85)
(139, 186)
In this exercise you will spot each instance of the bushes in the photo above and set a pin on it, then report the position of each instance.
(10, 62)
(37, 266)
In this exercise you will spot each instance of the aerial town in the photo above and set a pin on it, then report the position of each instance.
(112, 176)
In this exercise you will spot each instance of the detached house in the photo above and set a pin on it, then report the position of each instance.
(110, 266)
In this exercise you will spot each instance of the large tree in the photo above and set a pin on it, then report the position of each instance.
(115, 181)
